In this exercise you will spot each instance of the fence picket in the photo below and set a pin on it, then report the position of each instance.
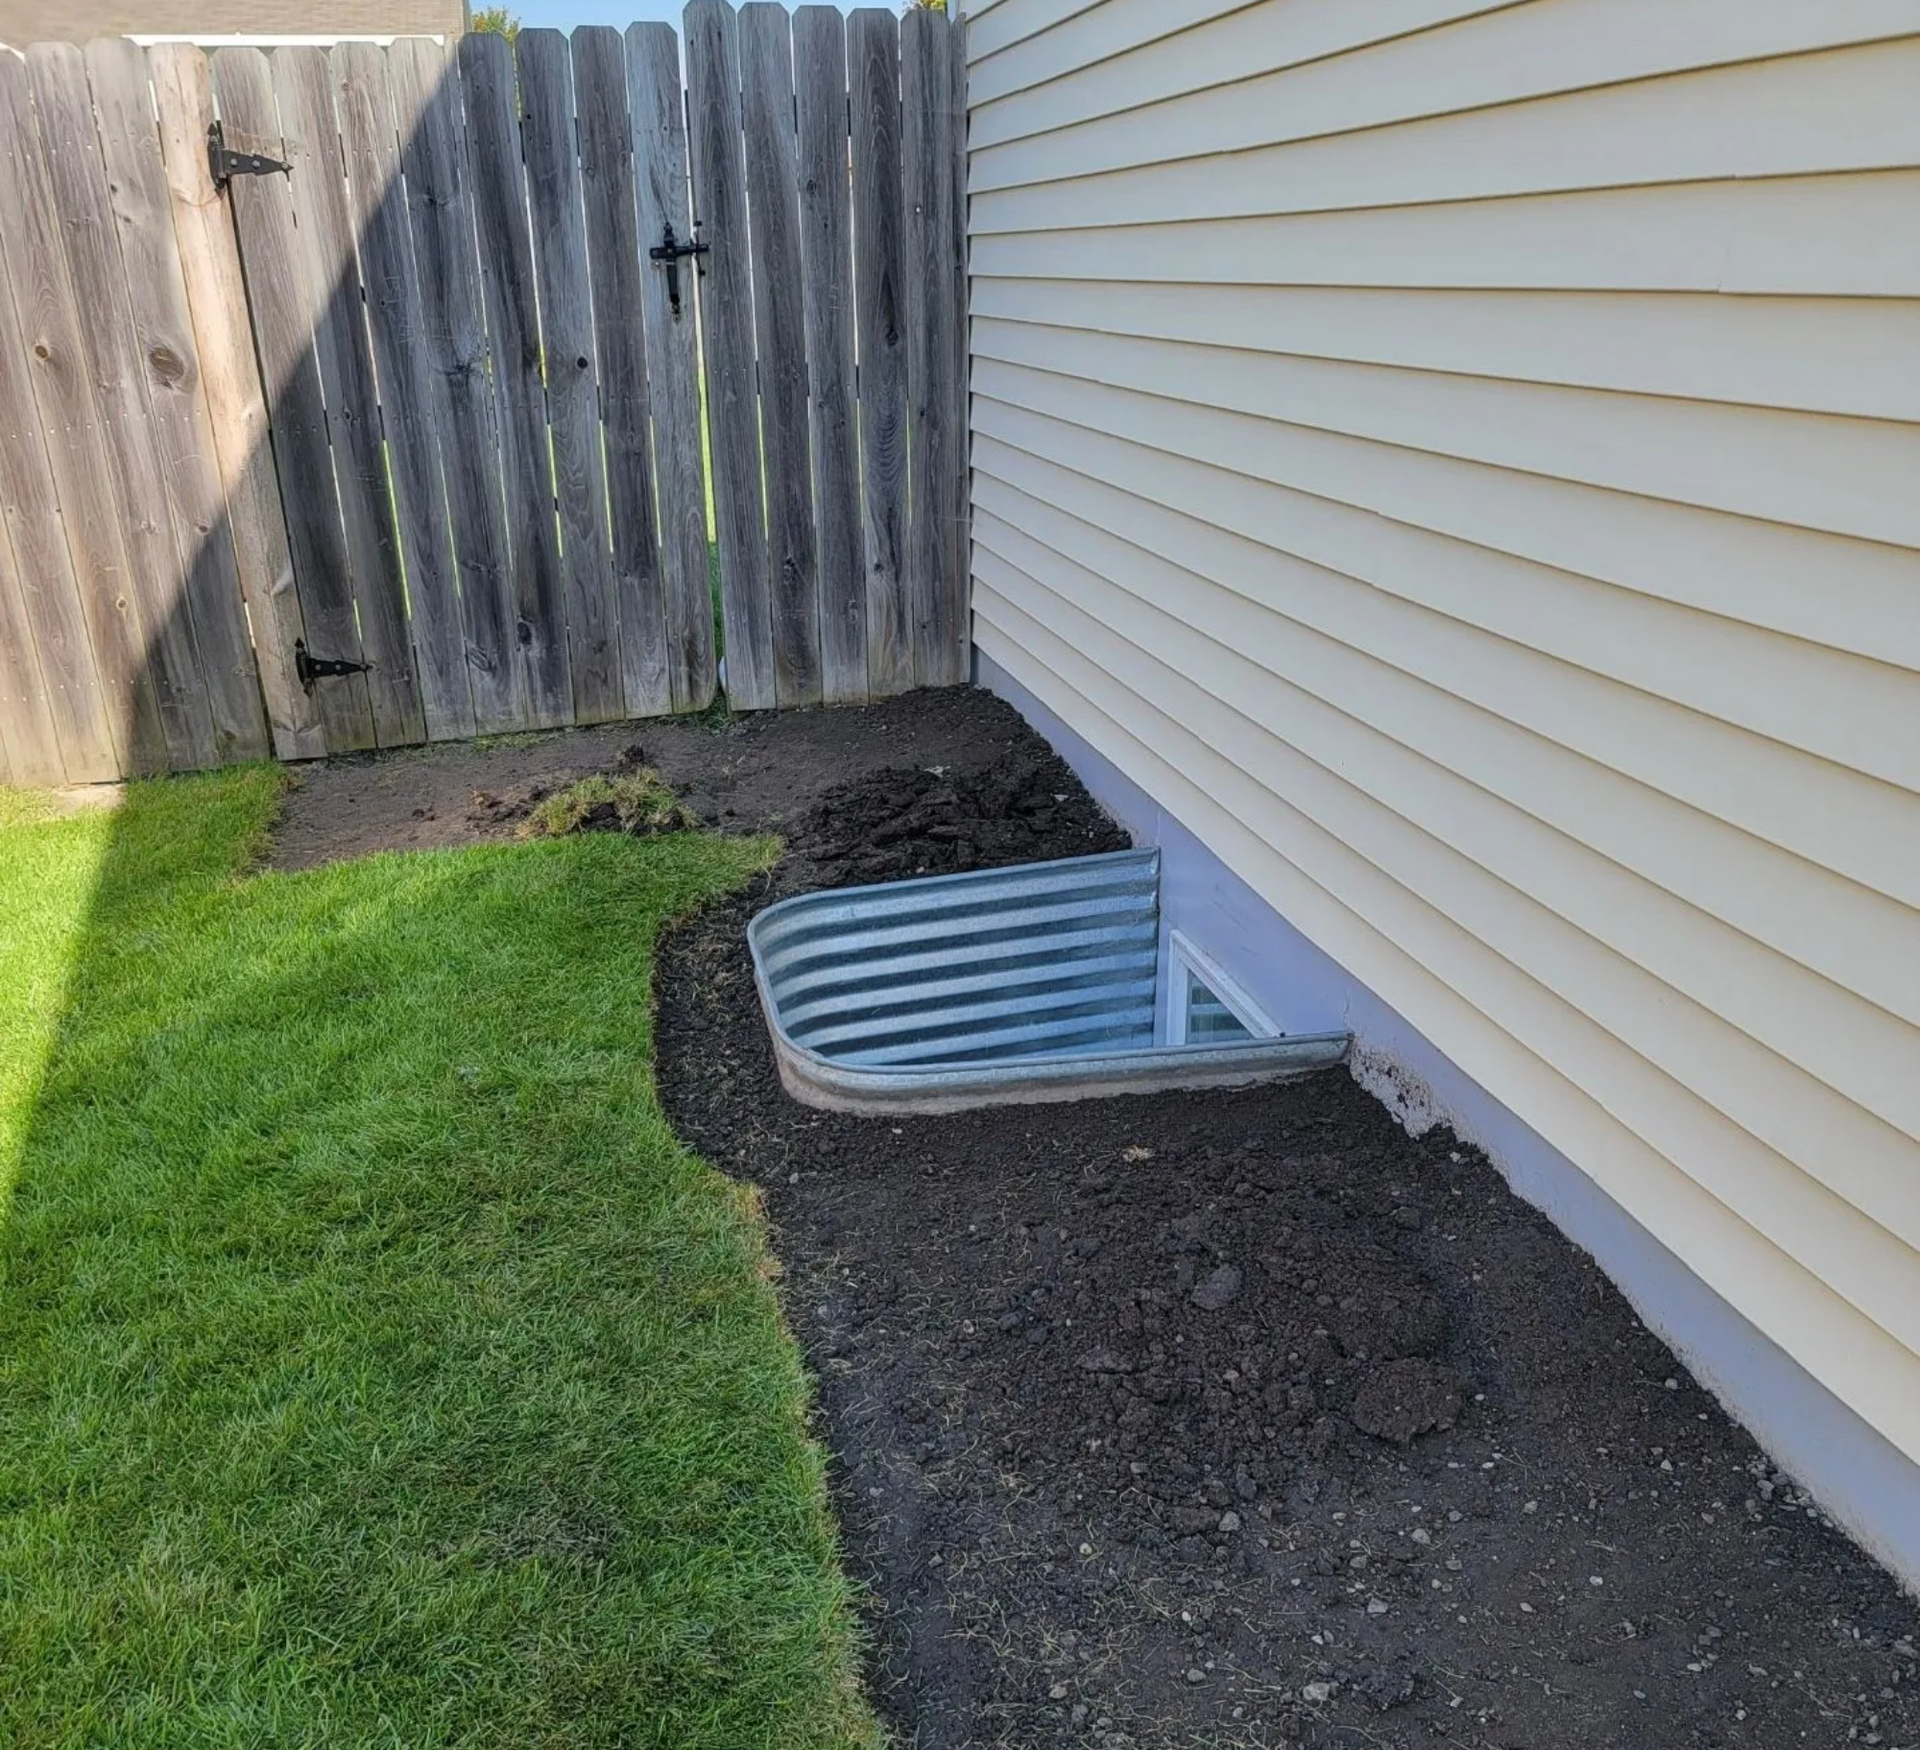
(727, 331)
(673, 367)
(873, 80)
(369, 138)
(47, 622)
(207, 579)
(567, 354)
(960, 411)
(61, 97)
(779, 308)
(456, 357)
(820, 83)
(284, 318)
(29, 743)
(235, 400)
(615, 266)
(506, 273)
(303, 83)
(932, 441)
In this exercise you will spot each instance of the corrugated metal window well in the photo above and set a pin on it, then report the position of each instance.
(1038, 982)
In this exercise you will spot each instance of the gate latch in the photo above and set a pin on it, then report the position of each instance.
(311, 668)
(670, 251)
(224, 163)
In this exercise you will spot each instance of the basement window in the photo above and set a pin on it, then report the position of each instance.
(1205, 1006)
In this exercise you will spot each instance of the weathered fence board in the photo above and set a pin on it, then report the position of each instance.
(616, 269)
(506, 272)
(932, 309)
(284, 318)
(62, 403)
(54, 680)
(727, 333)
(135, 473)
(959, 554)
(873, 79)
(164, 343)
(236, 403)
(369, 136)
(303, 83)
(780, 333)
(567, 356)
(673, 368)
(162, 349)
(425, 402)
(455, 353)
(50, 656)
(29, 743)
(826, 251)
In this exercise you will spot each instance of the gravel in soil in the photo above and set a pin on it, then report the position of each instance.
(1220, 1419)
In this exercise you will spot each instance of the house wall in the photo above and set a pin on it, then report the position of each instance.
(1459, 459)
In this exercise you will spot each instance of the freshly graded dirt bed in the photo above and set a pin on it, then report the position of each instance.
(1223, 1419)
(747, 774)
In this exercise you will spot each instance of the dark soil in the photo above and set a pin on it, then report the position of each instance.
(746, 774)
(1222, 1419)
(905, 821)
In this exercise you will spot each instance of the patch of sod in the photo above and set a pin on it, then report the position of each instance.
(634, 802)
(375, 1366)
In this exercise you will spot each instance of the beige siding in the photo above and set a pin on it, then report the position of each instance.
(1464, 460)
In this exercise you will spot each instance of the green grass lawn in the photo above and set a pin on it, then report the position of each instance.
(375, 1366)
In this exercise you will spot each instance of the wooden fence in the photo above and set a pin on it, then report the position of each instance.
(424, 399)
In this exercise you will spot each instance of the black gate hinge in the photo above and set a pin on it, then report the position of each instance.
(224, 163)
(670, 251)
(311, 668)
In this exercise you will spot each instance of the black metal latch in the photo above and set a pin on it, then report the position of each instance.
(225, 163)
(311, 668)
(670, 251)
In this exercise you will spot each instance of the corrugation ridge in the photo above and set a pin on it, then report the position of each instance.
(867, 972)
(979, 933)
(1042, 976)
(1089, 1024)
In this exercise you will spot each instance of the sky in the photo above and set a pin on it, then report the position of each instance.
(565, 14)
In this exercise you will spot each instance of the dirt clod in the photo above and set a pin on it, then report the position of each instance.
(1218, 1289)
(1401, 1399)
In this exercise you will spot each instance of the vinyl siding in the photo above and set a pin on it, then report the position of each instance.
(1464, 461)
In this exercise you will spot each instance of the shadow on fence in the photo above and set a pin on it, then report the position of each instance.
(422, 399)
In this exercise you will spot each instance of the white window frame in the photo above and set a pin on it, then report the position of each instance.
(1188, 963)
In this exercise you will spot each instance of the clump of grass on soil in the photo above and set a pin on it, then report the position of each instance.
(638, 803)
(376, 1367)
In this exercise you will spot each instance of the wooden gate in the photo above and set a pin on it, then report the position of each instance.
(359, 397)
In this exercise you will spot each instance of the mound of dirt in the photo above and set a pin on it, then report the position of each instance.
(906, 821)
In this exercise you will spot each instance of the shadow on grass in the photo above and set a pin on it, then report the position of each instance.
(375, 1366)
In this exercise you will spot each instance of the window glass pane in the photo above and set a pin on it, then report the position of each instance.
(1209, 1020)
